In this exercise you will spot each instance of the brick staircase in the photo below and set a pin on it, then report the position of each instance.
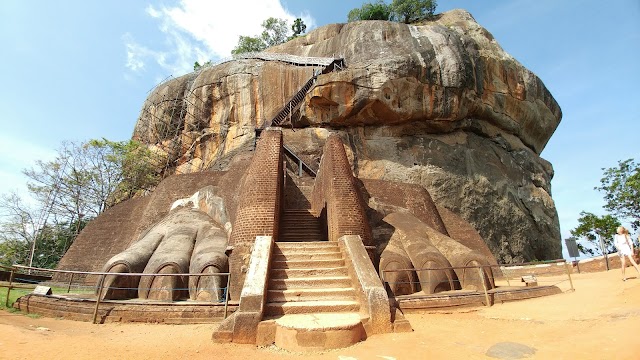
(300, 225)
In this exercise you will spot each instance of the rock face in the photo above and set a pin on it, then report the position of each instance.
(439, 104)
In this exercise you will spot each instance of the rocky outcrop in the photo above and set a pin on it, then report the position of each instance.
(438, 104)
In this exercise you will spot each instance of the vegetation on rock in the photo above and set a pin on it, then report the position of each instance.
(275, 32)
(406, 11)
(371, 11)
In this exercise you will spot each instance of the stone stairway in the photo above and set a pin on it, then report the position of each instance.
(311, 302)
(309, 277)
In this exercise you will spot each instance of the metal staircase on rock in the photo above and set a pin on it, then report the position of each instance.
(328, 65)
(295, 101)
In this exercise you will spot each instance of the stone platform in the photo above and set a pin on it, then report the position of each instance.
(314, 332)
(460, 298)
(81, 307)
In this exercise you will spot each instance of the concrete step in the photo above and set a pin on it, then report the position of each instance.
(298, 212)
(318, 332)
(300, 224)
(311, 294)
(297, 238)
(300, 230)
(309, 272)
(289, 238)
(306, 256)
(310, 307)
(307, 245)
(301, 234)
(312, 333)
(306, 264)
(310, 283)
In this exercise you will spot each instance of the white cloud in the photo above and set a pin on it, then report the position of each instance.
(202, 30)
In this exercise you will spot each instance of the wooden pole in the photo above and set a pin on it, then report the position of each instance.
(95, 311)
(484, 286)
(9, 288)
(70, 281)
(566, 267)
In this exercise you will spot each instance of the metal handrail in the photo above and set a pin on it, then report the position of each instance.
(301, 163)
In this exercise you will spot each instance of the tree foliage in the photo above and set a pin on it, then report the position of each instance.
(371, 11)
(298, 28)
(196, 65)
(406, 11)
(409, 11)
(82, 181)
(21, 225)
(596, 228)
(621, 187)
(275, 31)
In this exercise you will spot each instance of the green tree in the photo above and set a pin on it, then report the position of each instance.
(22, 231)
(85, 179)
(621, 186)
(275, 32)
(371, 11)
(196, 65)
(129, 165)
(298, 28)
(249, 44)
(598, 230)
(409, 11)
(82, 181)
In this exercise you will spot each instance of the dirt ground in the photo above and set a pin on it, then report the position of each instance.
(600, 320)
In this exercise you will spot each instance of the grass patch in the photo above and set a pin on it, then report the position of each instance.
(13, 296)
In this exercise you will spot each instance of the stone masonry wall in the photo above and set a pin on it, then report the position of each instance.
(336, 187)
(258, 209)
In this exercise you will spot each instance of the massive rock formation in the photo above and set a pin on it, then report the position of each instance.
(439, 104)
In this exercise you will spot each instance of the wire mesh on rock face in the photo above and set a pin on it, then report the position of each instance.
(175, 117)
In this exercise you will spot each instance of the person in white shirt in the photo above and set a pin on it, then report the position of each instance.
(623, 243)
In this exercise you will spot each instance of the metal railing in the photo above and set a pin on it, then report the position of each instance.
(18, 270)
(301, 164)
(500, 273)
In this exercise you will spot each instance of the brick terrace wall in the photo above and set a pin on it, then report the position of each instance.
(336, 189)
(258, 211)
(412, 197)
(113, 231)
(598, 263)
(103, 237)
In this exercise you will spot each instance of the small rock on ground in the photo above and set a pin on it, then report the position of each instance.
(510, 351)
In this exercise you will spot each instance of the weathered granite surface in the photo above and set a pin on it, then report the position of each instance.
(439, 104)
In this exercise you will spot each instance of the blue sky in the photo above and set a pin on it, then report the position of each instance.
(78, 69)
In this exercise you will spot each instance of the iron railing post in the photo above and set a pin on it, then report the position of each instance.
(226, 295)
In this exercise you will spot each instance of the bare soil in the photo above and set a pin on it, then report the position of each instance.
(599, 320)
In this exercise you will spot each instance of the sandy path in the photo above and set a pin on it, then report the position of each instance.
(600, 320)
